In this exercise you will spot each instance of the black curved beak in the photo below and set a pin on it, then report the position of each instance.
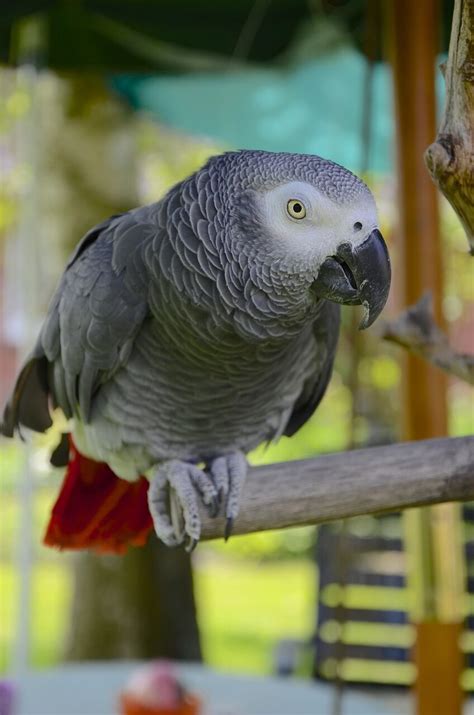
(357, 275)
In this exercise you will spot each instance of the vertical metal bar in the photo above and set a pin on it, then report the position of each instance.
(412, 32)
(24, 261)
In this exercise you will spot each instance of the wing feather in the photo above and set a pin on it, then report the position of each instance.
(326, 333)
(94, 316)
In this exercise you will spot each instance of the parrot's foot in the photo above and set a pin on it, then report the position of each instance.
(173, 496)
(228, 474)
(173, 502)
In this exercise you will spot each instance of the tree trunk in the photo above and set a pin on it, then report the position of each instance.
(140, 605)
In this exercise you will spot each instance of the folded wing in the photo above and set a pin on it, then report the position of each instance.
(326, 333)
(91, 324)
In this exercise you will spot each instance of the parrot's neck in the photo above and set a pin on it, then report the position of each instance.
(275, 313)
(230, 280)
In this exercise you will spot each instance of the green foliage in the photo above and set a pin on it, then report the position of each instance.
(266, 546)
(14, 175)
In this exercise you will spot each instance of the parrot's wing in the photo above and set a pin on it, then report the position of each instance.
(92, 321)
(326, 333)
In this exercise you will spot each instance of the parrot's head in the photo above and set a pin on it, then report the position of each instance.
(313, 219)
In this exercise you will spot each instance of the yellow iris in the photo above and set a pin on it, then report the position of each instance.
(296, 209)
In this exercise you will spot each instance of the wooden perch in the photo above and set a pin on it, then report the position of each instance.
(416, 330)
(365, 481)
(450, 159)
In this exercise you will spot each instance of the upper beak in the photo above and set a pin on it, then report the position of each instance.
(357, 275)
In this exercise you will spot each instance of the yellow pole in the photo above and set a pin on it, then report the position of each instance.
(432, 534)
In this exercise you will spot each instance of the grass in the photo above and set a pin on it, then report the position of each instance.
(245, 608)
(50, 597)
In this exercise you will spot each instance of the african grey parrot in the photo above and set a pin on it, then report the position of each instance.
(185, 333)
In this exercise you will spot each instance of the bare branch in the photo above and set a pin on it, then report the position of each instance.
(450, 159)
(416, 330)
(364, 481)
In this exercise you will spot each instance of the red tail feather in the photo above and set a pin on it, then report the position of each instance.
(97, 510)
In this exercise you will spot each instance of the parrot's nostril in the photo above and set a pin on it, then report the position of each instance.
(357, 226)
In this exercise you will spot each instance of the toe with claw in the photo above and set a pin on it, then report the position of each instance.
(173, 500)
(228, 473)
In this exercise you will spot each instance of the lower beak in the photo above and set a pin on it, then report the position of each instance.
(357, 275)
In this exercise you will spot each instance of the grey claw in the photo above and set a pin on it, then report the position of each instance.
(191, 545)
(228, 528)
(213, 508)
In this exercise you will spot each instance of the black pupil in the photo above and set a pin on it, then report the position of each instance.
(297, 208)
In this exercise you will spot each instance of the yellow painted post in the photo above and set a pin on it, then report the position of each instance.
(432, 534)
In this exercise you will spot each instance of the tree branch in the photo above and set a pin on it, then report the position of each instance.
(416, 330)
(450, 159)
(364, 481)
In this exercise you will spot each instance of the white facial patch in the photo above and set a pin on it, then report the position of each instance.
(326, 223)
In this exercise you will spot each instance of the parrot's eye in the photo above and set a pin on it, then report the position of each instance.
(296, 209)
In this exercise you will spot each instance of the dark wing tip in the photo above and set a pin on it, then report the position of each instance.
(28, 405)
(7, 425)
(60, 456)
